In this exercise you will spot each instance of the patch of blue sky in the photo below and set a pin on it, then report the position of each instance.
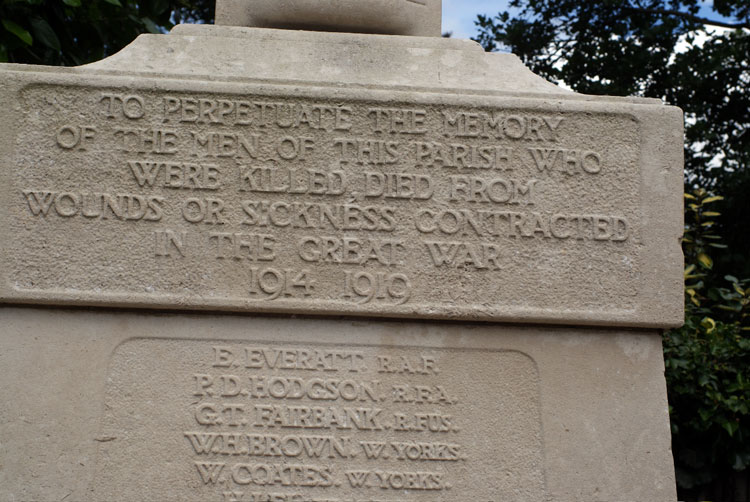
(459, 15)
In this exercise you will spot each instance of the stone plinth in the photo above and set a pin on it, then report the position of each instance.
(526, 237)
(123, 406)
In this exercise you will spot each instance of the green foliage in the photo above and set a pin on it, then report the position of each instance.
(708, 380)
(75, 32)
(697, 241)
(708, 359)
(727, 298)
(734, 299)
(733, 226)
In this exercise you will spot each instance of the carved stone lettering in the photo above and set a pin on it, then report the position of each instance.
(281, 204)
(286, 422)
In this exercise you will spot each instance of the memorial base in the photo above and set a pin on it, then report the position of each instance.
(126, 406)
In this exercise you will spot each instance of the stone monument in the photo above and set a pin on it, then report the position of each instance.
(318, 253)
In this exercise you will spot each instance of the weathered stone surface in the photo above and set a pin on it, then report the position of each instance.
(392, 17)
(263, 170)
(123, 406)
(274, 171)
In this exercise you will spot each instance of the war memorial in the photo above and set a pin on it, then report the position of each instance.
(318, 253)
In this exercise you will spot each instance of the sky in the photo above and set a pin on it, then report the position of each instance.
(459, 15)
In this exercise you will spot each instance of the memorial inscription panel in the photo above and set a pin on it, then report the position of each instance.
(285, 202)
(265, 422)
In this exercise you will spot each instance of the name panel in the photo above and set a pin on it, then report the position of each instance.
(251, 422)
(281, 202)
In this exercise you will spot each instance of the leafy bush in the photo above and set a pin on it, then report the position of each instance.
(74, 32)
(708, 359)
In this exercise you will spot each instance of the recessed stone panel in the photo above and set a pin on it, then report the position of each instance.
(286, 203)
(229, 421)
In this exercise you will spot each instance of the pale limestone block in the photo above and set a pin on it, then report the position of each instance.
(119, 407)
(258, 170)
(391, 17)
(250, 169)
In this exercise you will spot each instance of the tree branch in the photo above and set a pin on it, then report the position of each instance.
(690, 17)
